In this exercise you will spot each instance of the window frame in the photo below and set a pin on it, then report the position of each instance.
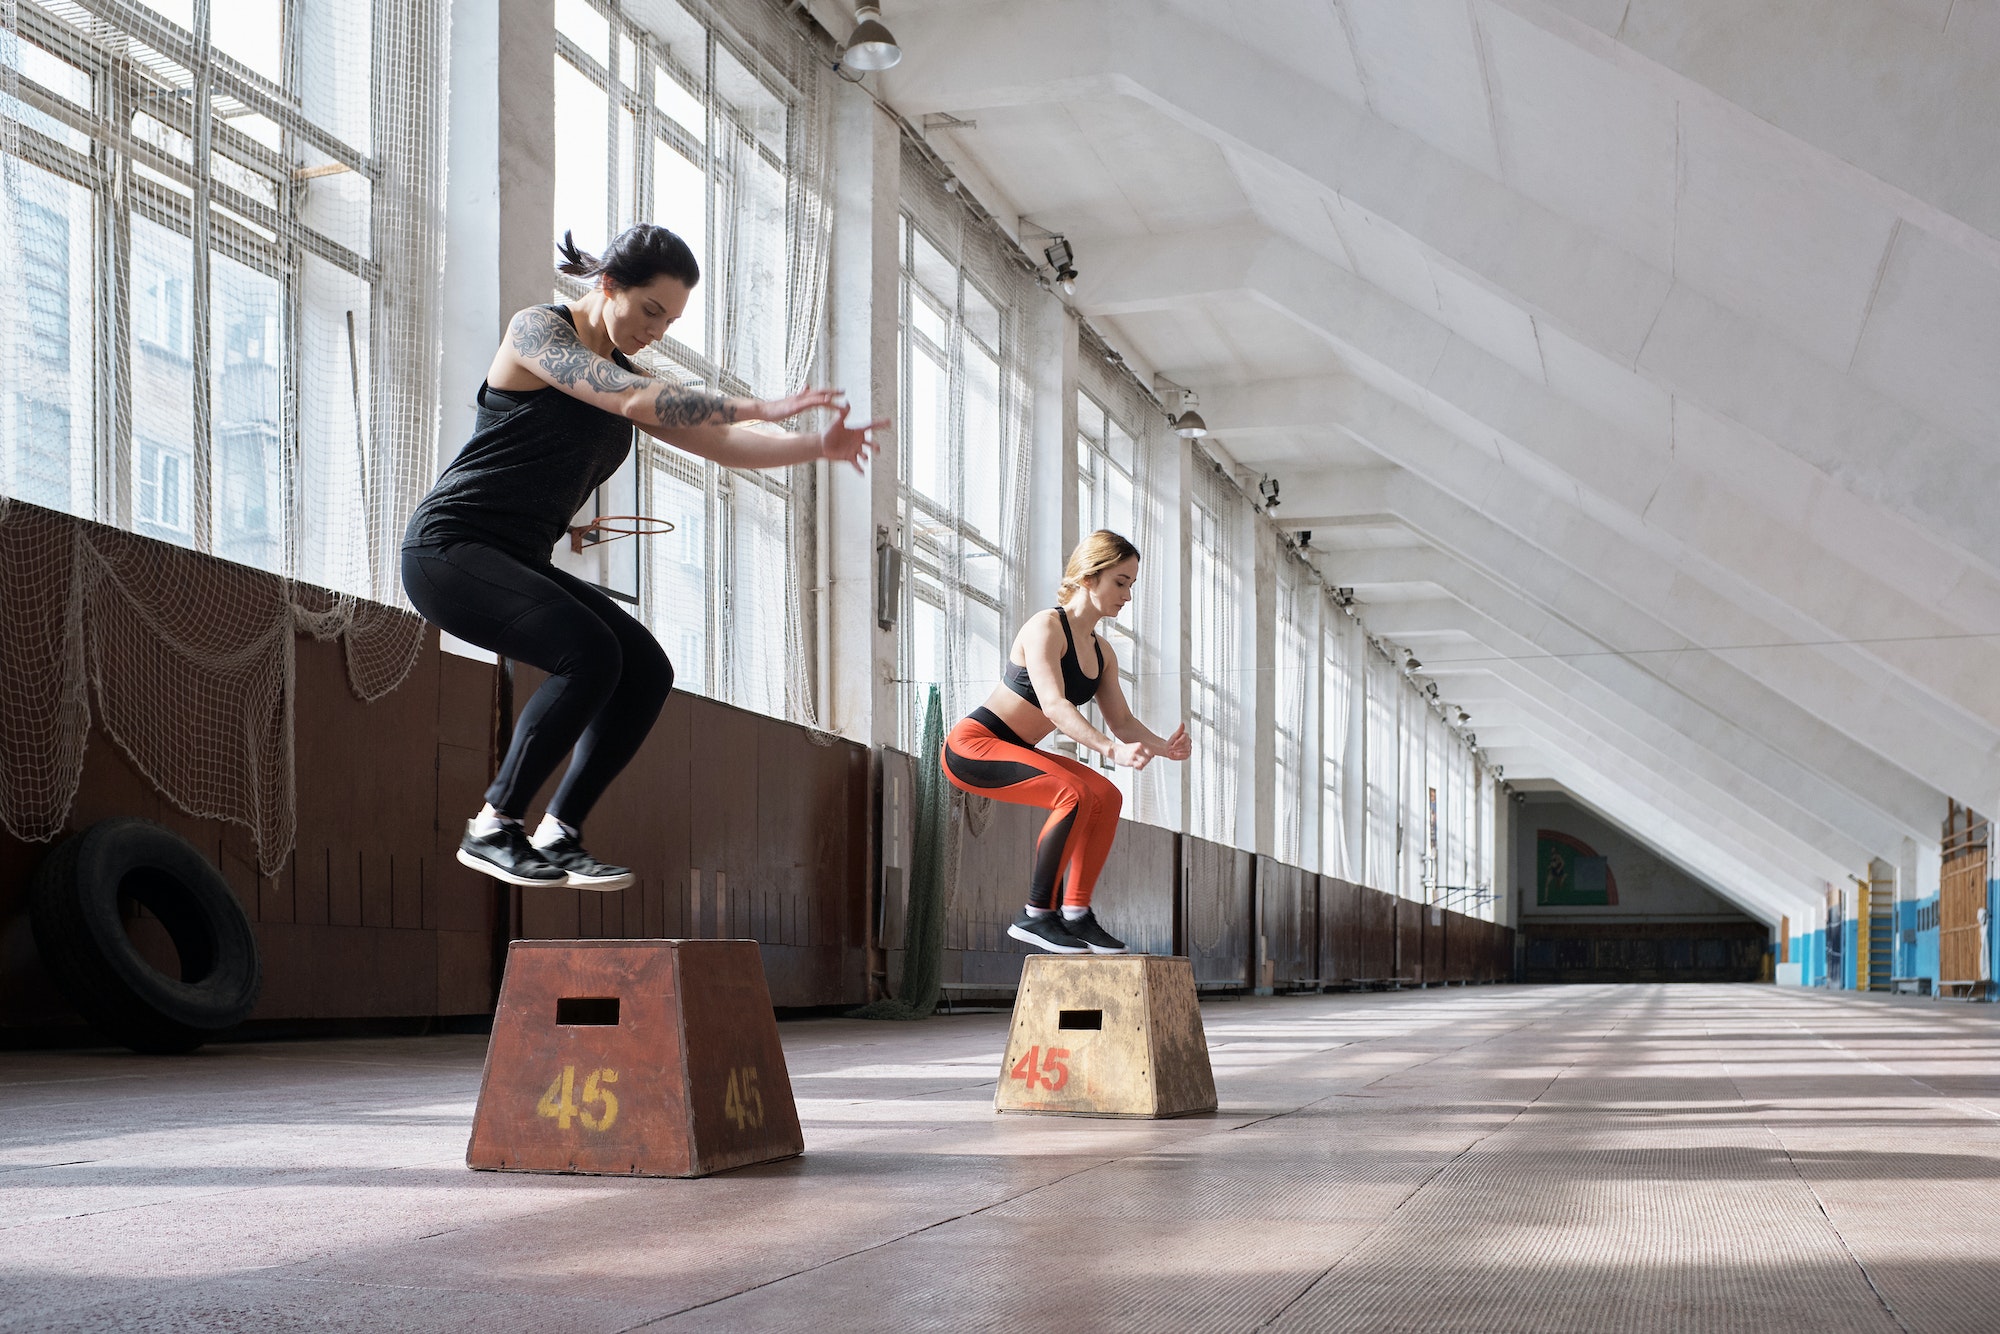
(131, 177)
(928, 526)
(725, 663)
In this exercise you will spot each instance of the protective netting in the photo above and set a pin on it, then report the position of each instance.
(219, 256)
(932, 865)
(966, 428)
(714, 120)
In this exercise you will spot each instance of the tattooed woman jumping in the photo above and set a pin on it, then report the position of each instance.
(555, 422)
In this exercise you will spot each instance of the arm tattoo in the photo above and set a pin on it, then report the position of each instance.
(547, 342)
(675, 406)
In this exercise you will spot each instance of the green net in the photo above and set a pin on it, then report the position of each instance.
(918, 989)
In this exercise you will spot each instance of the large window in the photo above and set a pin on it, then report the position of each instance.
(1384, 698)
(663, 117)
(203, 241)
(1297, 629)
(1340, 650)
(1114, 437)
(958, 485)
(1214, 606)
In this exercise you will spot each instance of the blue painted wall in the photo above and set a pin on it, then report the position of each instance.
(1927, 941)
(1906, 942)
(1850, 953)
(1992, 925)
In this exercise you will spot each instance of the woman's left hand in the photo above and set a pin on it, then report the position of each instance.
(852, 444)
(1178, 746)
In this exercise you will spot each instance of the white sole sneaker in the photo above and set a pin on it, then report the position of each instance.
(609, 884)
(1031, 938)
(484, 867)
(1099, 949)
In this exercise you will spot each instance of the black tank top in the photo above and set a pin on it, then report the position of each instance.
(1078, 689)
(533, 459)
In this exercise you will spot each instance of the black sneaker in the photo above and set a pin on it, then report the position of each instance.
(1086, 929)
(1047, 932)
(584, 871)
(505, 854)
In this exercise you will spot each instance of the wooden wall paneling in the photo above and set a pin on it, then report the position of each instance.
(848, 767)
(788, 794)
(1409, 947)
(1431, 922)
(464, 972)
(457, 899)
(722, 796)
(1135, 894)
(1337, 929)
(1285, 922)
(550, 914)
(896, 844)
(1218, 911)
(995, 865)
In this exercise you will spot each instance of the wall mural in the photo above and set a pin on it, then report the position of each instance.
(1569, 873)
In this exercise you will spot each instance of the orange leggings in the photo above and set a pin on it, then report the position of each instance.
(983, 756)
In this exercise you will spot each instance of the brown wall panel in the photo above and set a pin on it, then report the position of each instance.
(1339, 930)
(1377, 916)
(1216, 913)
(1287, 923)
(1431, 922)
(1408, 917)
(996, 854)
(1135, 895)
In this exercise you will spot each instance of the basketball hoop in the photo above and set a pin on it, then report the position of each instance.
(611, 527)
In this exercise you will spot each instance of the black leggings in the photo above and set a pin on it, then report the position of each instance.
(608, 677)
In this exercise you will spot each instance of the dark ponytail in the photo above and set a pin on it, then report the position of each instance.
(639, 255)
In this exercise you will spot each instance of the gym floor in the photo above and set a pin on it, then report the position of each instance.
(1489, 1159)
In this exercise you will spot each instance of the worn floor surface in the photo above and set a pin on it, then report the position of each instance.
(1490, 1159)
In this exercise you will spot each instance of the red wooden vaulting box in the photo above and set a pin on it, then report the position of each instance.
(634, 1057)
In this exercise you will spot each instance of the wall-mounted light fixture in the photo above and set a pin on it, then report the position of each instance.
(1187, 423)
(872, 47)
(1410, 663)
(1268, 488)
(1063, 260)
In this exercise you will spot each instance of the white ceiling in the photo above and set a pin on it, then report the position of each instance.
(1637, 358)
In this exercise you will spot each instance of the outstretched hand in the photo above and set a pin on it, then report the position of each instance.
(1178, 746)
(784, 409)
(841, 442)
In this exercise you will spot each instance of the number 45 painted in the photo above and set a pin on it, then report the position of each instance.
(1054, 1062)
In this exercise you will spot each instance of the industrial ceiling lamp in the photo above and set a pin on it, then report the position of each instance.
(1410, 663)
(872, 47)
(1063, 260)
(1189, 425)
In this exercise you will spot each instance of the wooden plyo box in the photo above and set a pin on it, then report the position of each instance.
(1106, 1035)
(633, 1058)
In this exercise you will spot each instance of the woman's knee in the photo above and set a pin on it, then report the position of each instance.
(1105, 798)
(649, 673)
(591, 657)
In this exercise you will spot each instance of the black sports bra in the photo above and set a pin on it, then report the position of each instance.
(1077, 688)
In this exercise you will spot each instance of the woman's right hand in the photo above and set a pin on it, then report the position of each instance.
(1131, 754)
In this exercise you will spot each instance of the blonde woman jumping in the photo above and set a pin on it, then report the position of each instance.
(992, 751)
